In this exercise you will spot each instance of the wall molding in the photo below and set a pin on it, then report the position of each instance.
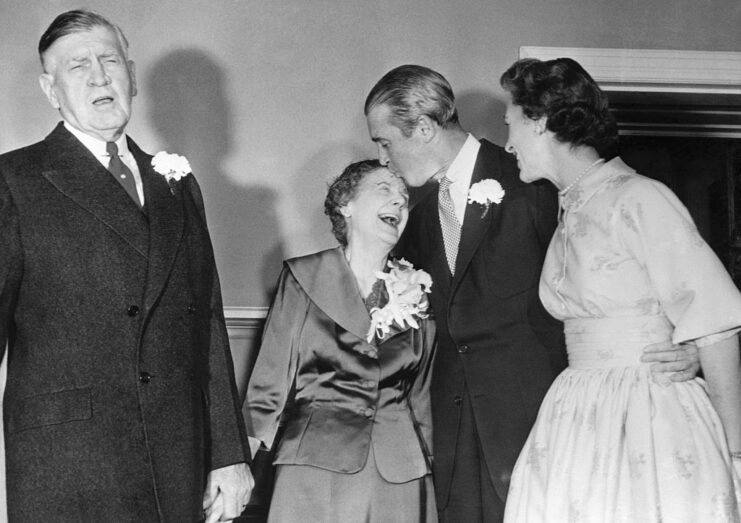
(653, 70)
(244, 326)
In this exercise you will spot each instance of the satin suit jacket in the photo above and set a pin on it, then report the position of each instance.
(120, 393)
(336, 393)
(494, 338)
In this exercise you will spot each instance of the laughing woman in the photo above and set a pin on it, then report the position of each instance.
(349, 383)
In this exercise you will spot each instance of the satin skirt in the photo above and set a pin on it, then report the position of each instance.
(306, 494)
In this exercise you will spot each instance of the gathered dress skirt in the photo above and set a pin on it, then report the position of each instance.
(613, 444)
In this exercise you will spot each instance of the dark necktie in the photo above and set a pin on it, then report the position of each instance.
(122, 173)
(448, 223)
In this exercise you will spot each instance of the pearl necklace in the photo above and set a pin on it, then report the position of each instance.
(581, 175)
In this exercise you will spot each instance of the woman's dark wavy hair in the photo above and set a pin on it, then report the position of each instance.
(342, 190)
(575, 107)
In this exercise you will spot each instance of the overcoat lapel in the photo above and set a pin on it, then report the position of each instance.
(164, 208)
(475, 222)
(328, 280)
(76, 173)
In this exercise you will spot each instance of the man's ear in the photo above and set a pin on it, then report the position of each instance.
(46, 81)
(427, 128)
(132, 73)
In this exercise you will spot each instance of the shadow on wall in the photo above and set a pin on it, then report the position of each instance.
(192, 115)
(309, 186)
(482, 114)
(27, 114)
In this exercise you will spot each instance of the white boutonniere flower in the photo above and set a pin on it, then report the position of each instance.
(407, 290)
(172, 166)
(485, 193)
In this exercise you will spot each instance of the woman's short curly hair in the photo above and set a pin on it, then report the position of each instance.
(575, 108)
(342, 190)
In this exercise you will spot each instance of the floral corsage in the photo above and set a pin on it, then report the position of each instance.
(407, 290)
(172, 166)
(485, 193)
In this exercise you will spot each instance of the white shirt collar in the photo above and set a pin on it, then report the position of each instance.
(462, 167)
(97, 147)
(460, 173)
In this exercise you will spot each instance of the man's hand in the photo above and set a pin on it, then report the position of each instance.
(672, 362)
(228, 490)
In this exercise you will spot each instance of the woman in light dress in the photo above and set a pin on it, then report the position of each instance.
(625, 268)
(347, 381)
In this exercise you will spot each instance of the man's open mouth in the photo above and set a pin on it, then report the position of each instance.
(391, 219)
(103, 100)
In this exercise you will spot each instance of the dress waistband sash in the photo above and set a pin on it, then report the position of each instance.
(613, 342)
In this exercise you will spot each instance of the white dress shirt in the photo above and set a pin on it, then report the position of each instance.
(460, 173)
(97, 147)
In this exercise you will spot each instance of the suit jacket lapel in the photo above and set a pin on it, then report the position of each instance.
(439, 269)
(328, 280)
(77, 174)
(164, 208)
(475, 222)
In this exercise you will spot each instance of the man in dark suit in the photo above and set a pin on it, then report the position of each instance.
(120, 402)
(498, 350)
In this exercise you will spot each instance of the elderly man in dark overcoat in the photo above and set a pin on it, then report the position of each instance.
(120, 402)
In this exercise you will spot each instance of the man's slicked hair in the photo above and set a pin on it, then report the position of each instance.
(412, 91)
(77, 21)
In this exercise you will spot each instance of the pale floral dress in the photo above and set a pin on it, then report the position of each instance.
(626, 268)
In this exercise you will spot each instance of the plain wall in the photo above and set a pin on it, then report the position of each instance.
(265, 97)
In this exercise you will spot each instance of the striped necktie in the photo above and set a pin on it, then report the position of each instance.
(121, 173)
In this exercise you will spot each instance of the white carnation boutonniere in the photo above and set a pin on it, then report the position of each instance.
(407, 290)
(172, 166)
(485, 193)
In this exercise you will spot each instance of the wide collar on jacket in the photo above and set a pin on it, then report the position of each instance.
(154, 233)
(329, 282)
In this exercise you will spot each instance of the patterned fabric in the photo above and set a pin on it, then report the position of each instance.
(378, 296)
(449, 223)
(121, 172)
(626, 268)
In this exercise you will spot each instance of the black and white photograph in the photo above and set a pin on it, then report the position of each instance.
(320, 261)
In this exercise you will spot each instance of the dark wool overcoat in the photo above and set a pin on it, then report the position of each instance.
(496, 343)
(120, 394)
